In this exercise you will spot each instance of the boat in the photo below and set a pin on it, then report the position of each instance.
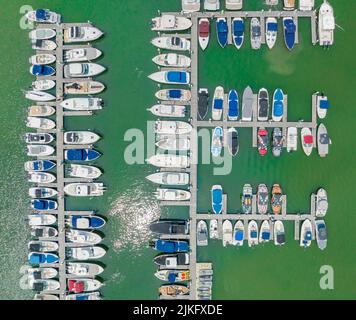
(233, 4)
(42, 192)
(279, 233)
(43, 16)
(82, 104)
(40, 296)
(44, 232)
(44, 45)
(306, 5)
(39, 96)
(252, 233)
(172, 194)
(216, 198)
(84, 87)
(213, 229)
(170, 227)
(42, 70)
(180, 95)
(233, 141)
(83, 237)
(218, 102)
(292, 139)
(262, 141)
(41, 258)
(233, 104)
(278, 105)
(211, 5)
(289, 32)
(238, 32)
(173, 290)
(321, 203)
(86, 253)
(80, 137)
(202, 233)
(172, 127)
(263, 105)
(222, 31)
(169, 161)
(247, 101)
(40, 123)
(170, 22)
(84, 296)
(171, 77)
(326, 24)
(271, 32)
(86, 222)
(172, 260)
(43, 85)
(255, 33)
(89, 189)
(323, 141)
(203, 103)
(321, 234)
(42, 58)
(246, 198)
(174, 143)
(83, 269)
(204, 33)
(169, 178)
(39, 150)
(81, 70)
(265, 232)
(172, 60)
(227, 232)
(306, 234)
(81, 154)
(42, 34)
(83, 171)
(262, 198)
(173, 275)
(289, 4)
(169, 246)
(277, 142)
(41, 177)
(40, 273)
(217, 142)
(322, 106)
(38, 138)
(307, 141)
(171, 43)
(41, 285)
(41, 219)
(238, 234)
(168, 110)
(43, 205)
(190, 5)
(81, 34)
(81, 54)
(43, 246)
(276, 199)
(83, 285)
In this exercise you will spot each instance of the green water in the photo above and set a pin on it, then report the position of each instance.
(263, 272)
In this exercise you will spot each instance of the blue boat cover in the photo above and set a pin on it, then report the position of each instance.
(253, 234)
(233, 104)
(42, 70)
(272, 26)
(324, 104)
(40, 204)
(290, 26)
(239, 27)
(41, 14)
(36, 258)
(239, 235)
(278, 108)
(37, 165)
(217, 200)
(171, 246)
(177, 76)
(278, 95)
(172, 277)
(222, 26)
(174, 93)
(289, 32)
(218, 103)
(265, 235)
(94, 222)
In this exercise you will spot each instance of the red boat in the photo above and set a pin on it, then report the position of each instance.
(204, 32)
(262, 141)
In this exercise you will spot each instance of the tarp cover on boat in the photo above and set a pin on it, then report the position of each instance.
(278, 108)
(239, 235)
(217, 200)
(37, 258)
(175, 93)
(218, 103)
(253, 234)
(238, 27)
(172, 277)
(41, 14)
(177, 76)
(272, 26)
(324, 104)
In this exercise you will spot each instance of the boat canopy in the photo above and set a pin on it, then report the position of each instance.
(177, 76)
(239, 235)
(324, 104)
(218, 103)
(278, 108)
(265, 235)
(253, 234)
(238, 27)
(76, 286)
(272, 26)
(233, 111)
(174, 93)
(308, 139)
(41, 14)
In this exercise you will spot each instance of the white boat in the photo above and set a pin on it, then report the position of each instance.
(322, 106)
(43, 85)
(202, 233)
(81, 70)
(211, 5)
(168, 110)
(326, 24)
(321, 234)
(39, 150)
(39, 96)
(172, 127)
(279, 233)
(81, 54)
(81, 34)
(45, 232)
(42, 34)
(86, 253)
(42, 59)
(169, 161)
(84, 171)
(255, 33)
(83, 237)
(306, 234)
(83, 269)
(271, 32)
(41, 219)
(40, 123)
(233, 4)
(321, 203)
(172, 60)
(278, 105)
(172, 194)
(239, 234)
(40, 111)
(171, 77)
(252, 233)
(292, 139)
(83, 285)
(265, 232)
(307, 141)
(171, 43)
(218, 102)
(84, 87)
(180, 95)
(204, 33)
(190, 5)
(42, 192)
(169, 178)
(43, 16)
(41, 177)
(289, 4)
(89, 189)
(44, 45)
(43, 273)
(213, 229)
(306, 5)
(80, 137)
(43, 246)
(227, 232)
(247, 102)
(217, 141)
(170, 22)
(38, 138)
(323, 141)
(82, 104)
(174, 143)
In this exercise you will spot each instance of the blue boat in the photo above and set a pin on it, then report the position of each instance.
(289, 32)
(39, 258)
(178, 77)
(216, 198)
(39, 165)
(278, 105)
(217, 141)
(44, 205)
(81, 154)
(86, 222)
(238, 32)
(233, 112)
(41, 70)
(222, 30)
(170, 246)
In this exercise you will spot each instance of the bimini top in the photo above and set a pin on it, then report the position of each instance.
(253, 234)
(278, 108)
(172, 277)
(218, 103)
(175, 93)
(324, 104)
(177, 76)
(41, 14)
(272, 26)
(239, 235)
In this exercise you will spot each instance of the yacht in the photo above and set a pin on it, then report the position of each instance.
(171, 43)
(171, 77)
(42, 34)
(179, 95)
(81, 34)
(172, 127)
(82, 104)
(170, 22)
(169, 161)
(169, 178)
(82, 70)
(190, 5)
(42, 59)
(80, 137)
(89, 189)
(326, 24)
(292, 139)
(84, 87)
(172, 194)
(81, 54)
(168, 110)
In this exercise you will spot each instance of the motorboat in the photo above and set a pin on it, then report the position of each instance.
(238, 234)
(173, 290)
(80, 137)
(233, 105)
(168, 110)
(211, 5)
(326, 24)
(262, 198)
(252, 235)
(222, 31)
(306, 234)
(262, 141)
(82, 104)
(292, 139)
(83, 171)
(217, 142)
(86, 253)
(238, 32)
(84, 296)
(81, 54)
(213, 229)
(169, 246)
(43, 285)
(81, 34)
(169, 178)
(173, 275)
(42, 192)
(227, 233)
(44, 45)
(42, 59)
(41, 220)
(202, 233)
(81, 154)
(81, 70)
(43, 85)
(172, 127)
(169, 161)
(322, 106)
(40, 123)
(190, 5)
(83, 237)
(42, 34)
(321, 203)
(172, 194)
(216, 198)
(323, 141)
(289, 5)
(171, 77)
(289, 32)
(265, 232)
(174, 143)
(321, 234)
(246, 199)
(84, 87)
(279, 233)
(38, 138)
(277, 142)
(83, 285)
(172, 60)
(233, 4)
(89, 189)
(43, 16)
(39, 96)
(86, 222)
(41, 177)
(233, 141)
(170, 227)
(255, 33)
(263, 105)
(306, 5)
(44, 232)
(278, 105)
(307, 141)
(172, 260)
(179, 95)
(41, 272)
(171, 43)
(43, 205)
(276, 199)
(42, 70)
(43, 246)
(83, 269)
(247, 102)
(42, 258)
(170, 22)
(39, 150)
(40, 296)
(218, 103)
(271, 32)
(204, 33)
(203, 103)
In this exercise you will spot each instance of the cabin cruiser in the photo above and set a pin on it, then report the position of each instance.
(43, 16)
(81, 154)
(81, 54)
(82, 104)
(321, 203)
(170, 22)
(43, 205)
(81, 34)
(246, 199)
(169, 178)
(247, 102)
(39, 96)
(82, 70)
(179, 95)
(42, 34)
(84, 171)
(83, 237)
(172, 194)
(39, 150)
(80, 269)
(169, 161)
(307, 141)
(80, 137)
(168, 110)
(42, 58)
(43, 246)
(173, 275)
(41, 220)
(40, 123)
(84, 189)
(213, 229)
(43, 85)
(306, 234)
(83, 285)
(171, 77)
(202, 233)
(323, 141)
(42, 192)
(41, 177)
(38, 138)
(321, 234)
(170, 227)
(39, 273)
(292, 139)
(326, 24)
(172, 127)
(86, 222)
(86, 253)
(233, 4)
(172, 260)
(44, 45)
(255, 34)
(171, 43)
(44, 232)
(204, 32)
(173, 143)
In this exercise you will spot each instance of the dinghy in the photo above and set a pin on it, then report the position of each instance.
(204, 33)
(86, 222)
(218, 102)
(255, 34)
(202, 233)
(216, 199)
(262, 198)
(83, 171)
(81, 34)
(173, 60)
(279, 233)
(233, 4)
(84, 87)
(263, 105)
(42, 192)
(321, 234)
(44, 231)
(83, 285)
(82, 70)
(276, 199)
(44, 45)
(307, 141)
(170, 22)
(180, 95)
(233, 104)
(190, 5)
(289, 32)
(271, 31)
(43, 16)
(84, 189)
(169, 161)
(322, 106)
(222, 31)
(278, 105)
(43, 85)
(172, 194)
(252, 233)
(326, 24)
(171, 77)
(41, 273)
(238, 32)
(39, 150)
(41, 219)
(81, 54)
(173, 290)
(168, 110)
(83, 269)
(169, 246)
(265, 232)
(81, 154)
(173, 275)
(262, 141)
(247, 101)
(213, 229)
(43, 205)
(41, 258)
(227, 233)
(203, 103)
(306, 234)
(238, 234)
(84, 296)
(171, 43)
(86, 253)
(173, 143)
(170, 227)
(172, 260)
(277, 142)
(217, 142)
(82, 104)
(40, 123)
(80, 137)
(43, 246)
(246, 199)
(42, 34)
(42, 59)
(169, 178)
(292, 139)
(233, 141)
(41, 177)
(172, 127)
(42, 70)
(83, 237)
(211, 5)
(323, 141)
(321, 203)
(41, 111)
(39, 96)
